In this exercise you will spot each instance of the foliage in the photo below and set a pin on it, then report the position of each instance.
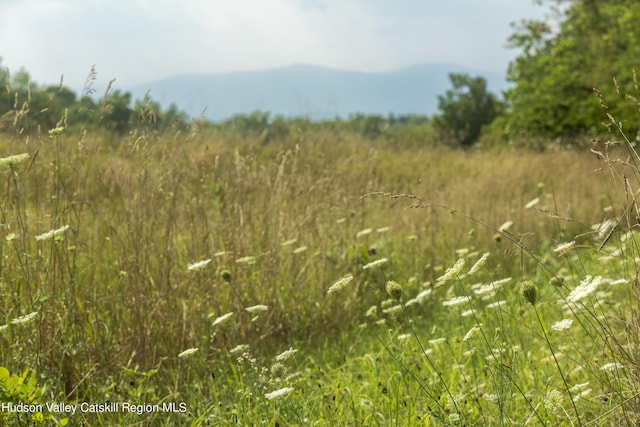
(557, 71)
(466, 108)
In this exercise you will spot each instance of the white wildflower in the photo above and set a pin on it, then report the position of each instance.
(418, 299)
(618, 282)
(187, 353)
(24, 319)
(340, 284)
(383, 229)
(286, 354)
(562, 325)
(12, 160)
(299, 250)
(246, 260)
(462, 251)
(489, 397)
(278, 393)
(373, 310)
(479, 264)
(579, 387)
(198, 265)
(240, 348)
(455, 301)
(375, 263)
(452, 271)
(505, 226)
(585, 288)
(467, 313)
(473, 331)
(289, 242)
(610, 367)
(563, 247)
(363, 232)
(257, 308)
(393, 310)
(497, 304)
(403, 337)
(52, 233)
(553, 399)
(582, 394)
(532, 203)
(437, 341)
(222, 319)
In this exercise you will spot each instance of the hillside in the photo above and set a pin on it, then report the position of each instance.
(312, 91)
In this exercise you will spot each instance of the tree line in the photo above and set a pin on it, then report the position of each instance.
(574, 76)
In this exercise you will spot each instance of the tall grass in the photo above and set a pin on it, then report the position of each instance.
(179, 266)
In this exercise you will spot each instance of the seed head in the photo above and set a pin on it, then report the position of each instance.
(226, 276)
(394, 290)
(529, 292)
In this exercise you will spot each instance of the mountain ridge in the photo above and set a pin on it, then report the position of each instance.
(304, 90)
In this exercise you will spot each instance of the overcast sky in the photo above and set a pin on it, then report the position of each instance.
(137, 41)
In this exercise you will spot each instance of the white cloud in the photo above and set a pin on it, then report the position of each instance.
(144, 40)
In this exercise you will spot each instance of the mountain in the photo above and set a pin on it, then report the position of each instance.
(311, 91)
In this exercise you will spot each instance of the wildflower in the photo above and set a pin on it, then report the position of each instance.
(383, 229)
(198, 265)
(393, 310)
(286, 354)
(471, 332)
(187, 353)
(402, 337)
(375, 263)
(10, 237)
(585, 288)
(278, 370)
(455, 301)
(532, 203)
(240, 348)
(467, 313)
(12, 160)
(479, 264)
(246, 260)
(52, 234)
(24, 319)
(529, 292)
(553, 399)
(278, 393)
(219, 254)
(222, 319)
(257, 308)
(299, 250)
(564, 247)
(454, 418)
(579, 387)
(394, 290)
(373, 310)
(505, 226)
(452, 271)
(340, 284)
(562, 325)
(363, 232)
(497, 304)
(489, 397)
(610, 367)
(3, 327)
(226, 276)
(289, 242)
(437, 341)
(56, 132)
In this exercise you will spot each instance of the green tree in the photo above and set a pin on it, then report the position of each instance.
(556, 72)
(466, 108)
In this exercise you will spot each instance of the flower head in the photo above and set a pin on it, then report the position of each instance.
(222, 319)
(453, 271)
(12, 160)
(585, 288)
(529, 292)
(340, 284)
(562, 325)
(278, 393)
(198, 265)
(394, 290)
(286, 354)
(52, 234)
(187, 353)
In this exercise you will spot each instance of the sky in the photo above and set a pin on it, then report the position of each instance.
(140, 41)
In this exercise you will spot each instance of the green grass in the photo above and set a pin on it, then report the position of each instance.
(115, 303)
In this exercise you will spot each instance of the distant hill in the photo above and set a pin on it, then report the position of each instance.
(311, 91)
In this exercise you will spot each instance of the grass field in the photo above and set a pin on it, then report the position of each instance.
(184, 279)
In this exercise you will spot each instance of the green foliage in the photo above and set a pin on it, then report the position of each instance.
(466, 108)
(556, 73)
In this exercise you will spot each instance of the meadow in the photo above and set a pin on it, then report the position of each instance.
(322, 279)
